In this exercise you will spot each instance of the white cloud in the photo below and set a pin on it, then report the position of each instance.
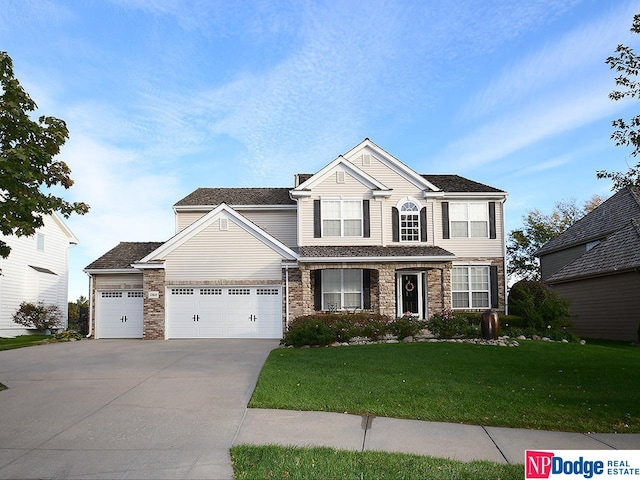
(571, 58)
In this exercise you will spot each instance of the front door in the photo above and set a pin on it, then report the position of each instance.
(410, 286)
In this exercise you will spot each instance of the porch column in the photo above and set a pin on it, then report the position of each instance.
(307, 294)
(387, 290)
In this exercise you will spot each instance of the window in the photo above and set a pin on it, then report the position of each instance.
(342, 218)
(341, 289)
(470, 287)
(590, 245)
(40, 241)
(469, 220)
(409, 222)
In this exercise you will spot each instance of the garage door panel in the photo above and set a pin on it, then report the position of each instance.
(225, 312)
(119, 314)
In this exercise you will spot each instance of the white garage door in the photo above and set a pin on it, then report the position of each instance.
(119, 313)
(224, 312)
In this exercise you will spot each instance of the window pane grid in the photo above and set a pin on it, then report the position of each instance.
(469, 220)
(342, 218)
(341, 289)
(470, 287)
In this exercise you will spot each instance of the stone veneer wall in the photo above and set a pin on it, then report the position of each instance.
(383, 286)
(153, 310)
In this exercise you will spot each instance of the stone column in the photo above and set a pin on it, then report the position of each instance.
(387, 290)
(153, 327)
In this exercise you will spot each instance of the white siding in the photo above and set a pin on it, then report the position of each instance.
(184, 219)
(19, 282)
(471, 247)
(130, 281)
(282, 224)
(214, 255)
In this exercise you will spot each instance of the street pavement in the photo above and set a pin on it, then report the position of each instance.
(123, 409)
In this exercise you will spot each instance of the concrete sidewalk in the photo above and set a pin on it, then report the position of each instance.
(436, 439)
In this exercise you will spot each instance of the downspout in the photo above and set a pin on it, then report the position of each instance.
(504, 260)
(90, 329)
(442, 287)
(286, 303)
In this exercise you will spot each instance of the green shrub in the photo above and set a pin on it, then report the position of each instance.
(308, 331)
(326, 328)
(68, 335)
(38, 315)
(539, 306)
(449, 324)
(406, 326)
(374, 328)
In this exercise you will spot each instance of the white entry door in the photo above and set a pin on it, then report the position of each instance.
(119, 313)
(224, 312)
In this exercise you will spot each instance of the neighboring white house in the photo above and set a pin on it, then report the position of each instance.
(37, 270)
(366, 232)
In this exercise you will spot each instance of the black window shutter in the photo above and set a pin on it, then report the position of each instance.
(317, 290)
(395, 224)
(492, 219)
(493, 280)
(317, 228)
(366, 289)
(445, 220)
(366, 219)
(423, 224)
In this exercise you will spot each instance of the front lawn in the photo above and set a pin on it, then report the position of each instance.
(251, 462)
(23, 341)
(538, 385)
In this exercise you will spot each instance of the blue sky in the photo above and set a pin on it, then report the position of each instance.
(164, 96)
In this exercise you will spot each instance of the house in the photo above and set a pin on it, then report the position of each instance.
(595, 264)
(36, 270)
(366, 232)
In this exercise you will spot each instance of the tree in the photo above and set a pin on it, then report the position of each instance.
(27, 164)
(626, 133)
(538, 229)
(38, 315)
(78, 314)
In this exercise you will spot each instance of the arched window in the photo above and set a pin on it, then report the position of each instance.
(409, 222)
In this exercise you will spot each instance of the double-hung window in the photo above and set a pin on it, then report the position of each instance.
(409, 222)
(469, 220)
(342, 218)
(341, 289)
(470, 287)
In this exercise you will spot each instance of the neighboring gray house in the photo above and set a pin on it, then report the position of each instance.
(595, 264)
(366, 232)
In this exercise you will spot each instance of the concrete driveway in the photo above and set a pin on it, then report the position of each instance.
(125, 408)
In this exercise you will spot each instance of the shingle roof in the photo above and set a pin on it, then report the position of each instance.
(610, 216)
(237, 196)
(123, 255)
(373, 251)
(456, 183)
(620, 251)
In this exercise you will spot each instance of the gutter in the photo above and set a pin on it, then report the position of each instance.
(90, 329)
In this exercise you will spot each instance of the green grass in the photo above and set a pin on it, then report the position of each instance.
(23, 341)
(270, 461)
(538, 385)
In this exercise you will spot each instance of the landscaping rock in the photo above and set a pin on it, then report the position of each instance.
(408, 339)
(522, 337)
(535, 337)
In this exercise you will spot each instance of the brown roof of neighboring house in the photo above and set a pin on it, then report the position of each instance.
(618, 252)
(373, 251)
(237, 196)
(123, 255)
(609, 217)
